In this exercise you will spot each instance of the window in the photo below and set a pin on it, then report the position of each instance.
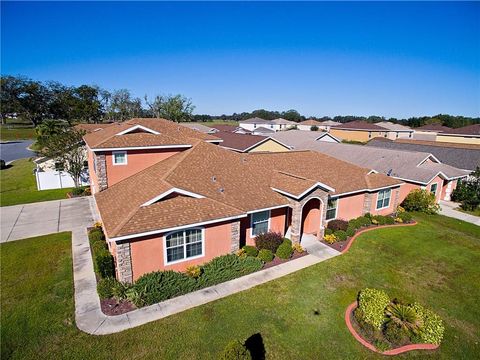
(383, 199)
(332, 209)
(119, 158)
(85, 164)
(59, 166)
(259, 223)
(433, 189)
(183, 245)
(369, 134)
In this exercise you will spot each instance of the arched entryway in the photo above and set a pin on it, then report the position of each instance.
(311, 217)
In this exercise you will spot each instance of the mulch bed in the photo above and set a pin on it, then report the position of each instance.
(277, 261)
(114, 307)
(339, 245)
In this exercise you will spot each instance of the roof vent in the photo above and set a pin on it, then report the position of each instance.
(389, 172)
(222, 190)
(214, 178)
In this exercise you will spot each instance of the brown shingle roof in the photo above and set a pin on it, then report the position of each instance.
(310, 122)
(466, 130)
(434, 127)
(238, 183)
(241, 142)
(360, 125)
(139, 140)
(88, 128)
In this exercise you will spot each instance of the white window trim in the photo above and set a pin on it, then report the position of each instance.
(336, 208)
(251, 222)
(389, 201)
(436, 190)
(167, 263)
(119, 152)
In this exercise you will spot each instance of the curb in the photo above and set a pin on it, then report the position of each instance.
(391, 352)
(373, 228)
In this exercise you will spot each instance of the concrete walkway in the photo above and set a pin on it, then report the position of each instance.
(448, 209)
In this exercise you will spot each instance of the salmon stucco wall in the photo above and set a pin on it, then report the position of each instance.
(270, 146)
(447, 189)
(385, 211)
(405, 189)
(311, 216)
(148, 253)
(277, 224)
(137, 160)
(350, 207)
(439, 181)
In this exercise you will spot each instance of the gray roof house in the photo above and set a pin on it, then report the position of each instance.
(462, 156)
(392, 126)
(199, 127)
(297, 138)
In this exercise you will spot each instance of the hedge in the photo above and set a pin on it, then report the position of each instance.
(285, 250)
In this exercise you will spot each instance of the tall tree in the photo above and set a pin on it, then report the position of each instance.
(123, 106)
(177, 108)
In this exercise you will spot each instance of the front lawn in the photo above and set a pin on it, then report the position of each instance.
(18, 185)
(9, 134)
(300, 316)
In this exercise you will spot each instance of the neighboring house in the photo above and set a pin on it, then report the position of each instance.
(296, 138)
(254, 123)
(307, 125)
(396, 131)
(359, 131)
(283, 124)
(49, 174)
(230, 128)
(465, 135)
(120, 150)
(429, 132)
(199, 127)
(207, 201)
(462, 156)
(250, 143)
(416, 169)
(263, 131)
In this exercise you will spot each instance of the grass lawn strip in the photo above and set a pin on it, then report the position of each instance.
(298, 316)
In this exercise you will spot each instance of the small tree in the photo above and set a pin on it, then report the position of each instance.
(421, 200)
(235, 350)
(314, 128)
(468, 192)
(172, 107)
(67, 148)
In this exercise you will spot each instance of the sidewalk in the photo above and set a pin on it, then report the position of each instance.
(448, 209)
(92, 320)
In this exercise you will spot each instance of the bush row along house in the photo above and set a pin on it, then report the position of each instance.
(170, 197)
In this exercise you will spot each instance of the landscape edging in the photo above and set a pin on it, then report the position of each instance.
(365, 343)
(373, 228)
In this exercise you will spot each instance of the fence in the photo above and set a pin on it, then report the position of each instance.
(47, 180)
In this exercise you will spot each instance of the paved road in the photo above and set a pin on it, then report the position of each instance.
(14, 150)
(28, 220)
(448, 209)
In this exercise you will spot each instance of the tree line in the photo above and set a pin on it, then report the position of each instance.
(37, 101)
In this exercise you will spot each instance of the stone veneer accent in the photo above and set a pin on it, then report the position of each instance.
(124, 262)
(101, 165)
(235, 245)
(297, 214)
(396, 196)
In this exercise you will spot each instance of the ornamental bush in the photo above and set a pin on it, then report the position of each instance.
(250, 250)
(328, 231)
(96, 234)
(372, 303)
(354, 224)
(379, 219)
(105, 287)
(389, 220)
(330, 239)
(265, 255)
(337, 225)
(395, 334)
(405, 216)
(194, 271)
(433, 329)
(227, 267)
(104, 263)
(350, 231)
(421, 200)
(269, 241)
(285, 250)
(235, 350)
(340, 235)
(364, 220)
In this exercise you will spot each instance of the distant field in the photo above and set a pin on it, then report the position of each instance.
(215, 122)
(17, 134)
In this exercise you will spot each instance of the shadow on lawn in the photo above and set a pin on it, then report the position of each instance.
(256, 347)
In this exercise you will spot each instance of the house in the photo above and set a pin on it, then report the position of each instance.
(120, 150)
(199, 127)
(462, 156)
(307, 124)
(263, 131)
(396, 131)
(50, 174)
(296, 138)
(253, 123)
(465, 135)
(250, 143)
(283, 124)
(361, 131)
(429, 132)
(416, 169)
(206, 201)
(230, 128)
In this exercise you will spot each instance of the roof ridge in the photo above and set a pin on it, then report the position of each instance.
(291, 175)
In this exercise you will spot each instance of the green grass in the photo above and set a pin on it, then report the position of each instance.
(434, 262)
(475, 212)
(216, 122)
(17, 134)
(18, 185)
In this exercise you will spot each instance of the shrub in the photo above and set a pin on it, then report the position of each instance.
(389, 220)
(98, 225)
(330, 239)
(468, 191)
(374, 221)
(104, 263)
(298, 248)
(398, 220)
(235, 350)
(285, 250)
(341, 235)
(288, 241)
(265, 255)
(373, 302)
(269, 241)
(337, 225)
(2, 164)
(350, 231)
(395, 334)
(119, 290)
(381, 345)
(314, 128)
(161, 285)
(404, 316)
(240, 253)
(368, 216)
(406, 217)
(87, 191)
(105, 287)
(364, 220)
(421, 200)
(328, 231)
(354, 224)
(379, 219)
(433, 329)
(193, 271)
(227, 267)
(96, 235)
(77, 191)
(250, 250)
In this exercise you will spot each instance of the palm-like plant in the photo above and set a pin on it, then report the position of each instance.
(405, 317)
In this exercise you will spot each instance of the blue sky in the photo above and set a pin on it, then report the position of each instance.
(390, 59)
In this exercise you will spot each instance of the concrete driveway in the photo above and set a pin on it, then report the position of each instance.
(23, 221)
